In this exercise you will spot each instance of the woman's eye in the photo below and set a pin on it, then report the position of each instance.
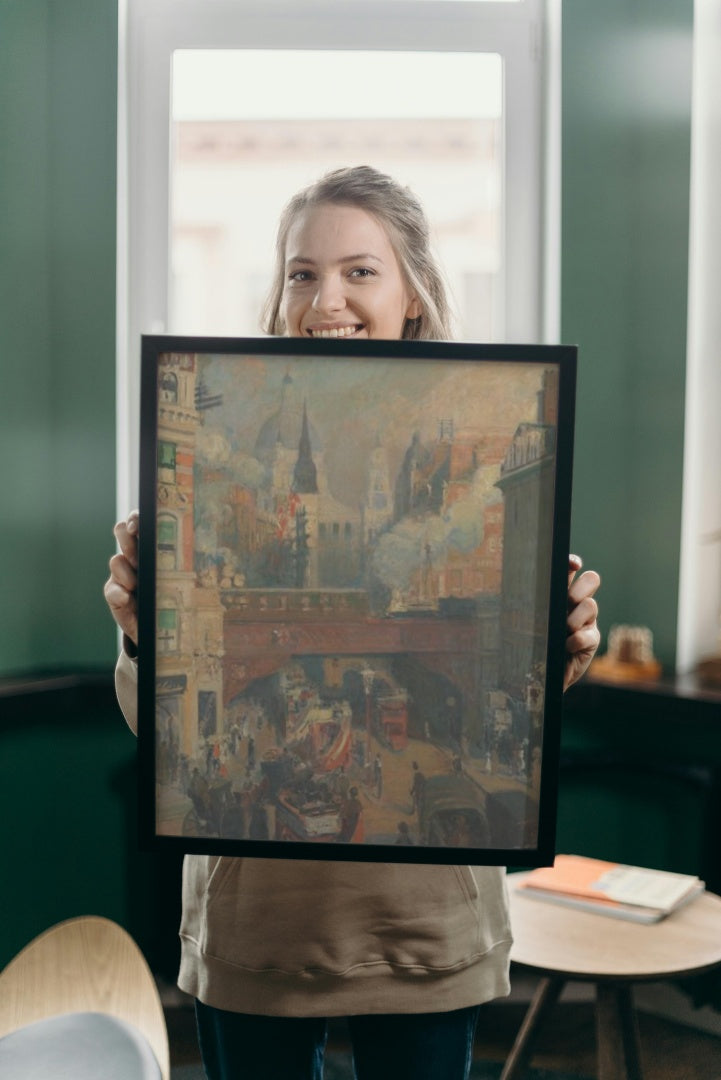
(362, 272)
(300, 276)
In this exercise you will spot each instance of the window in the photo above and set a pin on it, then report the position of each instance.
(168, 389)
(166, 462)
(167, 636)
(167, 542)
(447, 95)
(235, 163)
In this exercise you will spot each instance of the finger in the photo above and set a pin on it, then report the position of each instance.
(123, 573)
(119, 599)
(584, 613)
(575, 562)
(126, 534)
(585, 585)
(123, 608)
(586, 640)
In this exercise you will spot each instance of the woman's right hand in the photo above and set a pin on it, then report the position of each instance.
(121, 587)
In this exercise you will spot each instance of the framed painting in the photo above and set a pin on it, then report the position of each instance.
(352, 597)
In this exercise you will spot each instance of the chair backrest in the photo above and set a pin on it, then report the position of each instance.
(87, 964)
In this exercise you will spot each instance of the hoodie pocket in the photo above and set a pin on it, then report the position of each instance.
(294, 916)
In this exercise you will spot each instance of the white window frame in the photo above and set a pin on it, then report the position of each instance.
(526, 34)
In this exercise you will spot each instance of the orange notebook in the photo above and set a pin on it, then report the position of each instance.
(631, 892)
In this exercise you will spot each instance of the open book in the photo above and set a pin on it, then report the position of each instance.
(608, 888)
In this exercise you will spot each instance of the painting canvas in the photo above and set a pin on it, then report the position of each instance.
(353, 568)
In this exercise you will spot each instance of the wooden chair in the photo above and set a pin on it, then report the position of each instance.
(77, 976)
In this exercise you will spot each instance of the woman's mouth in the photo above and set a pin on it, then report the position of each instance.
(335, 331)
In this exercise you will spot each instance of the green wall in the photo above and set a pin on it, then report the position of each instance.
(58, 74)
(625, 199)
(68, 803)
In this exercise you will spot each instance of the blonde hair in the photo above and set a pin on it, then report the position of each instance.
(403, 217)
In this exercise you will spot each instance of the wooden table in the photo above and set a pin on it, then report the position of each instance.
(562, 944)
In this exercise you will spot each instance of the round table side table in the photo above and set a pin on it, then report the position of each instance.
(564, 944)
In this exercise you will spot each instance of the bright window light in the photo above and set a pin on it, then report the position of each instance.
(225, 84)
(251, 127)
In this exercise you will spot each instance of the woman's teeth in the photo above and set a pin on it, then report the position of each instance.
(337, 331)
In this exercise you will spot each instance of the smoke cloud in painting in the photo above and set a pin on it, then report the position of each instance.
(403, 550)
(223, 464)
(215, 449)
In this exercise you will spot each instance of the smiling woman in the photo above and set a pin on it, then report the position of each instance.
(353, 254)
(353, 259)
(331, 292)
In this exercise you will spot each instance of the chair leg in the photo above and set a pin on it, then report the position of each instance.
(545, 997)
(617, 1033)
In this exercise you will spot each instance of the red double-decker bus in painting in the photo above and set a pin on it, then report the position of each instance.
(394, 721)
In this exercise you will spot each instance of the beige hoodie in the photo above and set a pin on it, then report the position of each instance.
(289, 937)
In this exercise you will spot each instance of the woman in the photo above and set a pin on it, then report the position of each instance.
(271, 948)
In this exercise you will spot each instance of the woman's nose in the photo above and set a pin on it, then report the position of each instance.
(329, 294)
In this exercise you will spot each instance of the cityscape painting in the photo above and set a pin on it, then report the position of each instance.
(352, 597)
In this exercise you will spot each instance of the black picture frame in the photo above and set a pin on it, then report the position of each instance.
(353, 572)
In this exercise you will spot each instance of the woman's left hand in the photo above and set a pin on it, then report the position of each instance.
(583, 635)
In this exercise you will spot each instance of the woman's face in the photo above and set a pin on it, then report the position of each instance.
(342, 277)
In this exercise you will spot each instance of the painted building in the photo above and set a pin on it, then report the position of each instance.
(189, 615)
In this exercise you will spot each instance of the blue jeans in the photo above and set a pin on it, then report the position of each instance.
(413, 1046)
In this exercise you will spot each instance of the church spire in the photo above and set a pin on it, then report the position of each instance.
(305, 478)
